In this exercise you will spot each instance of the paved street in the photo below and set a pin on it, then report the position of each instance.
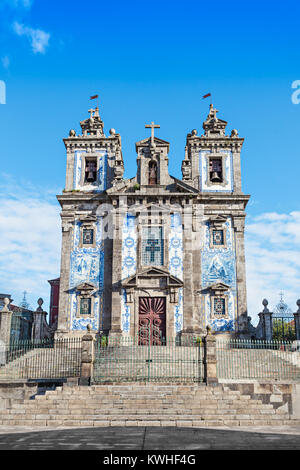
(151, 438)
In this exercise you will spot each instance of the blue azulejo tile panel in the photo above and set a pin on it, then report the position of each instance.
(86, 265)
(221, 324)
(204, 173)
(219, 265)
(176, 247)
(178, 312)
(79, 156)
(129, 244)
(125, 313)
(81, 323)
(129, 262)
(176, 265)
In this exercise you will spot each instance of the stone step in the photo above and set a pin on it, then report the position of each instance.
(142, 416)
(145, 421)
(155, 404)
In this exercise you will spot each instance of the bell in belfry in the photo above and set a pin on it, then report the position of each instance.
(91, 172)
(216, 177)
(215, 170)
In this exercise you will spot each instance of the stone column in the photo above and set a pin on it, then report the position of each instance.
(297, 320)
(63, 326)
(188, 330)
(197, 243)
(210, 358)
(239, 227)
(5, 322)
(87, 359)
(115, 330)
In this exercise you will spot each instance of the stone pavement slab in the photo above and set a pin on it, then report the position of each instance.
(151, 438)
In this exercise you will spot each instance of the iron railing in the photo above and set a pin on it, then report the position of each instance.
(128, 360)
(253, 359)
(45, 359)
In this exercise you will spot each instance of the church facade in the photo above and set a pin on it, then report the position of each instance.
(153, 251)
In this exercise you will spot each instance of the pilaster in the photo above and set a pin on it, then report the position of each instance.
(64, 309)
(239, 230)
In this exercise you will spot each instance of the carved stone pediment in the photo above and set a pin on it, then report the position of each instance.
(218, 288)
(87, 218)
(86, 288)
(152, 277)
(217, 221)
(158, 142)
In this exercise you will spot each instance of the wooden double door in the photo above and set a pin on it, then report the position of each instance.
(152, 320)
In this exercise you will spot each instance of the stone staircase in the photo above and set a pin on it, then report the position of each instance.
(144, 405)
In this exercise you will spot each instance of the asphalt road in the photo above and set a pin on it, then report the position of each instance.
(151, 438)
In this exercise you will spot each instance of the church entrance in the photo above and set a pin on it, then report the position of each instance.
(152, 321)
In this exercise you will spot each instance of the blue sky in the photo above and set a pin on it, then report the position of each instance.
(152, 61)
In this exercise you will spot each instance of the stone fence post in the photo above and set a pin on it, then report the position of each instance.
(5, 322)
(266, 322)
(87, 359)
(210, 358)
(297, 320)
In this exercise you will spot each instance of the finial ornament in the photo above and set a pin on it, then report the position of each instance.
(40, 303)
(6, 302)
(265, 303)
(298, 303)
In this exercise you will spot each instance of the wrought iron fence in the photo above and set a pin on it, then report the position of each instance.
(129, 360)
(45, 359)
(253, 359)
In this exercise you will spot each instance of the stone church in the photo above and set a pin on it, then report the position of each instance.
(152, 251)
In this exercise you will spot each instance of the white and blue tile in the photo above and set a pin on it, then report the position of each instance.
(176, 265)
(219, 265)
(129, 263)
(86, 265)
(203, 170)
(79, 155)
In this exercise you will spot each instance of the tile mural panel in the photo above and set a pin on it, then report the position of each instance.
(176, 265)
(87, 265)
(129, 263)
(219, 265)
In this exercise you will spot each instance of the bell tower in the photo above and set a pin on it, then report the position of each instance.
(94, 161)
(212, 165)
(212, 161)
(94, 164)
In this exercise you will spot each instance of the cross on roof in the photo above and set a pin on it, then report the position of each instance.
(152, 126)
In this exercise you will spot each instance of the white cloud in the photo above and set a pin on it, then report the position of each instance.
(30, 239)
(272, 260)
(38, 38)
